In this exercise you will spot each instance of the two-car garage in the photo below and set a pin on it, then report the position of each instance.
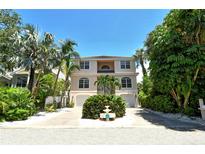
(129, 98)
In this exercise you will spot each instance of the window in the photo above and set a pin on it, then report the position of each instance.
(126, 82)
(83, 83)
(21, 82)
(84, 65)
(105, 67)
(125, 64)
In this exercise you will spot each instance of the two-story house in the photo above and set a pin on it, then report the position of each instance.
(82, 81)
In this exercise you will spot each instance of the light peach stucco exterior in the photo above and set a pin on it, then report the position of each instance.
(79, 95)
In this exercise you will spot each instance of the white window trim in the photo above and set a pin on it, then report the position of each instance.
(84, 65)
(126, 82)
(123, 62)
(84, 80)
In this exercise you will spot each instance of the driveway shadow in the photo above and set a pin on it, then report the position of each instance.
(169, 123)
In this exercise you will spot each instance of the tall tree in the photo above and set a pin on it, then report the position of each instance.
(66, 63)
(177, 53)
(29, 52)
(45, 57)
(140, 57)
(10, 23)
(68, 67)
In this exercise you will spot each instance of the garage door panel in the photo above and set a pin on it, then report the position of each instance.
(130, 100)
(80, 99)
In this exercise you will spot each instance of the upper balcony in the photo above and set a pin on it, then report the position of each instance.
(105, 66)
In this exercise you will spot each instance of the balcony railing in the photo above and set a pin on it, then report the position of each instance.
(106, 71)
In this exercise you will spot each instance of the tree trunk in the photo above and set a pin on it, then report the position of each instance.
(189, 92)
(66, 83)
(112, 90)
(55, 84)
(31, 78)
(143, 67)
(36, 86)
(176, 97)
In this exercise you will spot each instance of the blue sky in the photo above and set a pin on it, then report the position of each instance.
(98, 32)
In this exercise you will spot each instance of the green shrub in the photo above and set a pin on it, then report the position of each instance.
(50, 107)
(158, 103)
(194, 105)
(163, 104)
(189, 111)
(3, 107)
(45, 89)
(71, 104)
(95, 105)
(60, 87)
(16, 101)
(147, 85)
(142, 97)
(17, 114)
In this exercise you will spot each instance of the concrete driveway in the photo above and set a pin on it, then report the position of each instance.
(71, 118)
(137, 127)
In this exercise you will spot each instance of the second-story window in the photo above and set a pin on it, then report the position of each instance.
(105, 67)
(84, 65)
(125, 64)
(84, 83)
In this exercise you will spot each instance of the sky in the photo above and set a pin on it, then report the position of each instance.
(98, 32)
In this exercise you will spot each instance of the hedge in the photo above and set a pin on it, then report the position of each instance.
(95, 105)
(16, 104)
(159, 103)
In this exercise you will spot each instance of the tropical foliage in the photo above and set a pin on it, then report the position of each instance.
(141, 57)
(108, 84)
(45, 89)
(65, 62)
(95, 105)
(176, 51)
(22, 46)
(16, 104)
(10, 23)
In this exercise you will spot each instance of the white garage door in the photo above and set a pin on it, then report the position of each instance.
(80, 99)
(130, 100)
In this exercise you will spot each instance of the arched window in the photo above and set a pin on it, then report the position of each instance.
(84, 83)
(126, 82)
(105, 67)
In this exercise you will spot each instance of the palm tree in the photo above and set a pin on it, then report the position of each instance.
(47, 52)
(114, 83)
(29, 50)
(140, 57)
(65, 62)
(103, 82)
(68, 67)
(58, 63)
